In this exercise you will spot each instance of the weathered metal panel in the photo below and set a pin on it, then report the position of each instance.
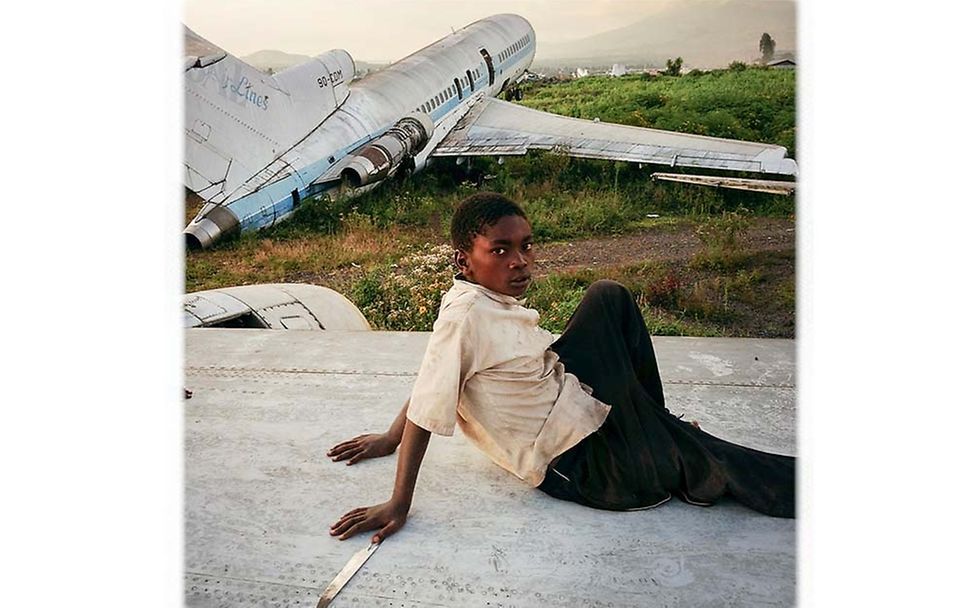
(736, 183)
(260, 493)
(297, 316)
(278, 305)
(214, 306)
(331, 309)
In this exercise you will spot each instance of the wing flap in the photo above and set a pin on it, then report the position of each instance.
(497, 128)
(735, 183)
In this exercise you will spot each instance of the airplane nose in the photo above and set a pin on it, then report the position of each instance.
(209, 227)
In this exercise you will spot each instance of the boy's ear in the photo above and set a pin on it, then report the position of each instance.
(460, 259)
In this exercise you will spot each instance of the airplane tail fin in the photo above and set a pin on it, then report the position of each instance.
(239, 119)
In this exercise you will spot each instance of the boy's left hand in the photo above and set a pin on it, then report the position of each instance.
(389, 516)
(373, 445)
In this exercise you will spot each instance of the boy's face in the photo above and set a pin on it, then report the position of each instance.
(502, 258)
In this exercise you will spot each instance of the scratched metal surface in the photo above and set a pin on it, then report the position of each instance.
(260, 493)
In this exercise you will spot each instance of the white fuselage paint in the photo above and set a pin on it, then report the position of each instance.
(420, 82)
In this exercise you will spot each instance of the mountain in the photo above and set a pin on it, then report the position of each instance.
(274, 61)
(706, 33)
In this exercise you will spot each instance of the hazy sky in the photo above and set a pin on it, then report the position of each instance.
(386, 30)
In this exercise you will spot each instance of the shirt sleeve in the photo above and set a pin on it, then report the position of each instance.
(449, 361)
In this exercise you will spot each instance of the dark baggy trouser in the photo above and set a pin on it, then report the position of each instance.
(642, 453)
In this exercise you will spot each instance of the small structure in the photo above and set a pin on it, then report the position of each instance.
(618, 69)
(782, 64)
(580, 73)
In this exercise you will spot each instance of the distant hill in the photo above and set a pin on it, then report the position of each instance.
(275, 61)
(706, 33)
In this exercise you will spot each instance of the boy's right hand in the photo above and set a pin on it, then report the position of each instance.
(372, 445)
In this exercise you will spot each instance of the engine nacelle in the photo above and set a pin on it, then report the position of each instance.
(380, 157)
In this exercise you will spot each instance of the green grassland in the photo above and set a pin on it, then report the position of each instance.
(387, 250)
(750, 104)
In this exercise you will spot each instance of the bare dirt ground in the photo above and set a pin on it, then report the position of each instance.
(665, 244)
(669, 244)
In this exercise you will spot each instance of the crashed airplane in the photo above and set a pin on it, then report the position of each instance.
(257, 145)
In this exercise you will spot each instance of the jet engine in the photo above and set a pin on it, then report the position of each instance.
(383, 155)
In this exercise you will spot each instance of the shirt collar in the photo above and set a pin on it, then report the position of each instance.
(464, 285)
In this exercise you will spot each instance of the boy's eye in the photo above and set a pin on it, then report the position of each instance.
(528, 246)
(500, 251)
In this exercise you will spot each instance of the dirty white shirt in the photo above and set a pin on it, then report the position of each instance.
(488, 369)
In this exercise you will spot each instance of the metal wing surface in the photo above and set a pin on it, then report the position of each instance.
(497, 128)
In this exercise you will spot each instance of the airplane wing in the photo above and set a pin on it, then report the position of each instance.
(497, 128)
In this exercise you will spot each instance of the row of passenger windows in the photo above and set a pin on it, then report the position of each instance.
(449, 92)
(517, 46)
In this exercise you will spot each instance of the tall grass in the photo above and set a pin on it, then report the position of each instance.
(753, 104)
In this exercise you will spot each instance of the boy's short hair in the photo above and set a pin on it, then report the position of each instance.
(477, 213)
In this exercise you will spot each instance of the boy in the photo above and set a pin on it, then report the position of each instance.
(489, 368)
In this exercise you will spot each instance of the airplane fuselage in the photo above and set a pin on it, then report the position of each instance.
(441, 81)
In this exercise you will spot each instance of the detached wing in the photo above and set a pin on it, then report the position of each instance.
(496, 128)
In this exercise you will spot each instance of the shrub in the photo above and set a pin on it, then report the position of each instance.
(707, 300)
(406, 296)
(719, 236)
(663, 292)
(555, 298)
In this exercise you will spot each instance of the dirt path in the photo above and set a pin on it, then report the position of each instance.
(656, 244)
(653, 244)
